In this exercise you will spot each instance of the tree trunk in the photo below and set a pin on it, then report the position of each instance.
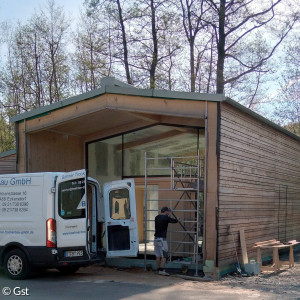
(221, 48)
(124, 41)
(192, 64)
(155, 48)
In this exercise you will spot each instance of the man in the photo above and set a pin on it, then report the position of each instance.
(160, 242)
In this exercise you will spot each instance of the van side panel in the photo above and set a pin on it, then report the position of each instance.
(49, 197)
(21, 209)
(27, 201)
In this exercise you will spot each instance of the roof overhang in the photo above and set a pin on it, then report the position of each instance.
(110, 85)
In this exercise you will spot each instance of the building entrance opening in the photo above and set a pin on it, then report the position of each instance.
(173, 154)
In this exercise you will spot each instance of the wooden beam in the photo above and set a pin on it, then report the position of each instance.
(146, 117)
(151, 139)
(211, 173)
(243, 246)
(116, 130)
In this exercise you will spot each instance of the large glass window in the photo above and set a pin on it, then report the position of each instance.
(159, 142)
(124, 155)
(71, 203)
(105, 159)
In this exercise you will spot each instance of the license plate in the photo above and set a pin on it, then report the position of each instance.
(73, 253)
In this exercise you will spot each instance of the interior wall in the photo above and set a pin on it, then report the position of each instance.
(53, 152)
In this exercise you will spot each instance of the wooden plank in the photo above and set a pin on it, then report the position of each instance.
(210, 233)
(267, 243)
(20, 150)
(243, 246)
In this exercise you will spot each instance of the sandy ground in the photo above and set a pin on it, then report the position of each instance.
(268, 285)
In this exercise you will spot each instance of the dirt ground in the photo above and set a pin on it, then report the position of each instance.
(268, 285)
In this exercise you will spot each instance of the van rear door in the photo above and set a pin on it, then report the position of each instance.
(71, 214)
(120, 218)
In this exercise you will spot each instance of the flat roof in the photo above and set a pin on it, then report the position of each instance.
(110, 85)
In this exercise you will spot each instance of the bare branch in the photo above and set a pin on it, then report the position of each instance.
(261, 62)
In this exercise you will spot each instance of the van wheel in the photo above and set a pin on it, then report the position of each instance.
(16, 265)
(68, 270)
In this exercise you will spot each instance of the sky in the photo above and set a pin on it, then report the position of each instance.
(12, 11)
(22, 10)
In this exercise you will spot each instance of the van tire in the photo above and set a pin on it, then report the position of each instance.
(68, 270)
(16, 265)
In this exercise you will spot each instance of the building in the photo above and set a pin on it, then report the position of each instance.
(8, 162)
(250, 167)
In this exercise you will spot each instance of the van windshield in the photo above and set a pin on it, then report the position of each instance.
(71, 199)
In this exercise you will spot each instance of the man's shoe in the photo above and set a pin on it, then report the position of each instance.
(164, 273)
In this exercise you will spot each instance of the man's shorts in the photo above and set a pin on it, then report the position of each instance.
(160, 247)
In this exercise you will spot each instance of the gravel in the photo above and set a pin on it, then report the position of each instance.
(284, 284)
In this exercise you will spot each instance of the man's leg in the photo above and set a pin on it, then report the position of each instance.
(158, 252)
(164, 259)
(163, 262)
(158, 263)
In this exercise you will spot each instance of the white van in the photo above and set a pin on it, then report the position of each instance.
(58, 220)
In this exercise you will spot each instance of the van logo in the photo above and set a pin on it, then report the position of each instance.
(20, 181)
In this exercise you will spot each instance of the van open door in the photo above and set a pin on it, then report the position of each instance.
(71, 214)
(120, 218)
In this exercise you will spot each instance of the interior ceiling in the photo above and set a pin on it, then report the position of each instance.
(95, 122)
(107, 119)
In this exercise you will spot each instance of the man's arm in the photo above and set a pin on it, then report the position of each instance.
(172, 220)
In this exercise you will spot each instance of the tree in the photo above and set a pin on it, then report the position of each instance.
(192, 20)
(36, 70)
(120, 14)
(154, 44)
(52, 27)
(124, 42)
(92, 60)
(237, 23)
(6, 132)
(287, 104)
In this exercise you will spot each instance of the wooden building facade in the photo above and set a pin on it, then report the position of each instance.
(251, 166)
(8, 163)
(259, 181)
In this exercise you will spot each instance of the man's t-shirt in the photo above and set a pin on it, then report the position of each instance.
(161, 225)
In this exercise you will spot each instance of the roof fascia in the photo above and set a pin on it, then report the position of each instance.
(112, 86)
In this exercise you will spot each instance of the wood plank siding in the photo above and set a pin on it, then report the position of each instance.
(8, 164)
(259, 183)
(53, 152)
